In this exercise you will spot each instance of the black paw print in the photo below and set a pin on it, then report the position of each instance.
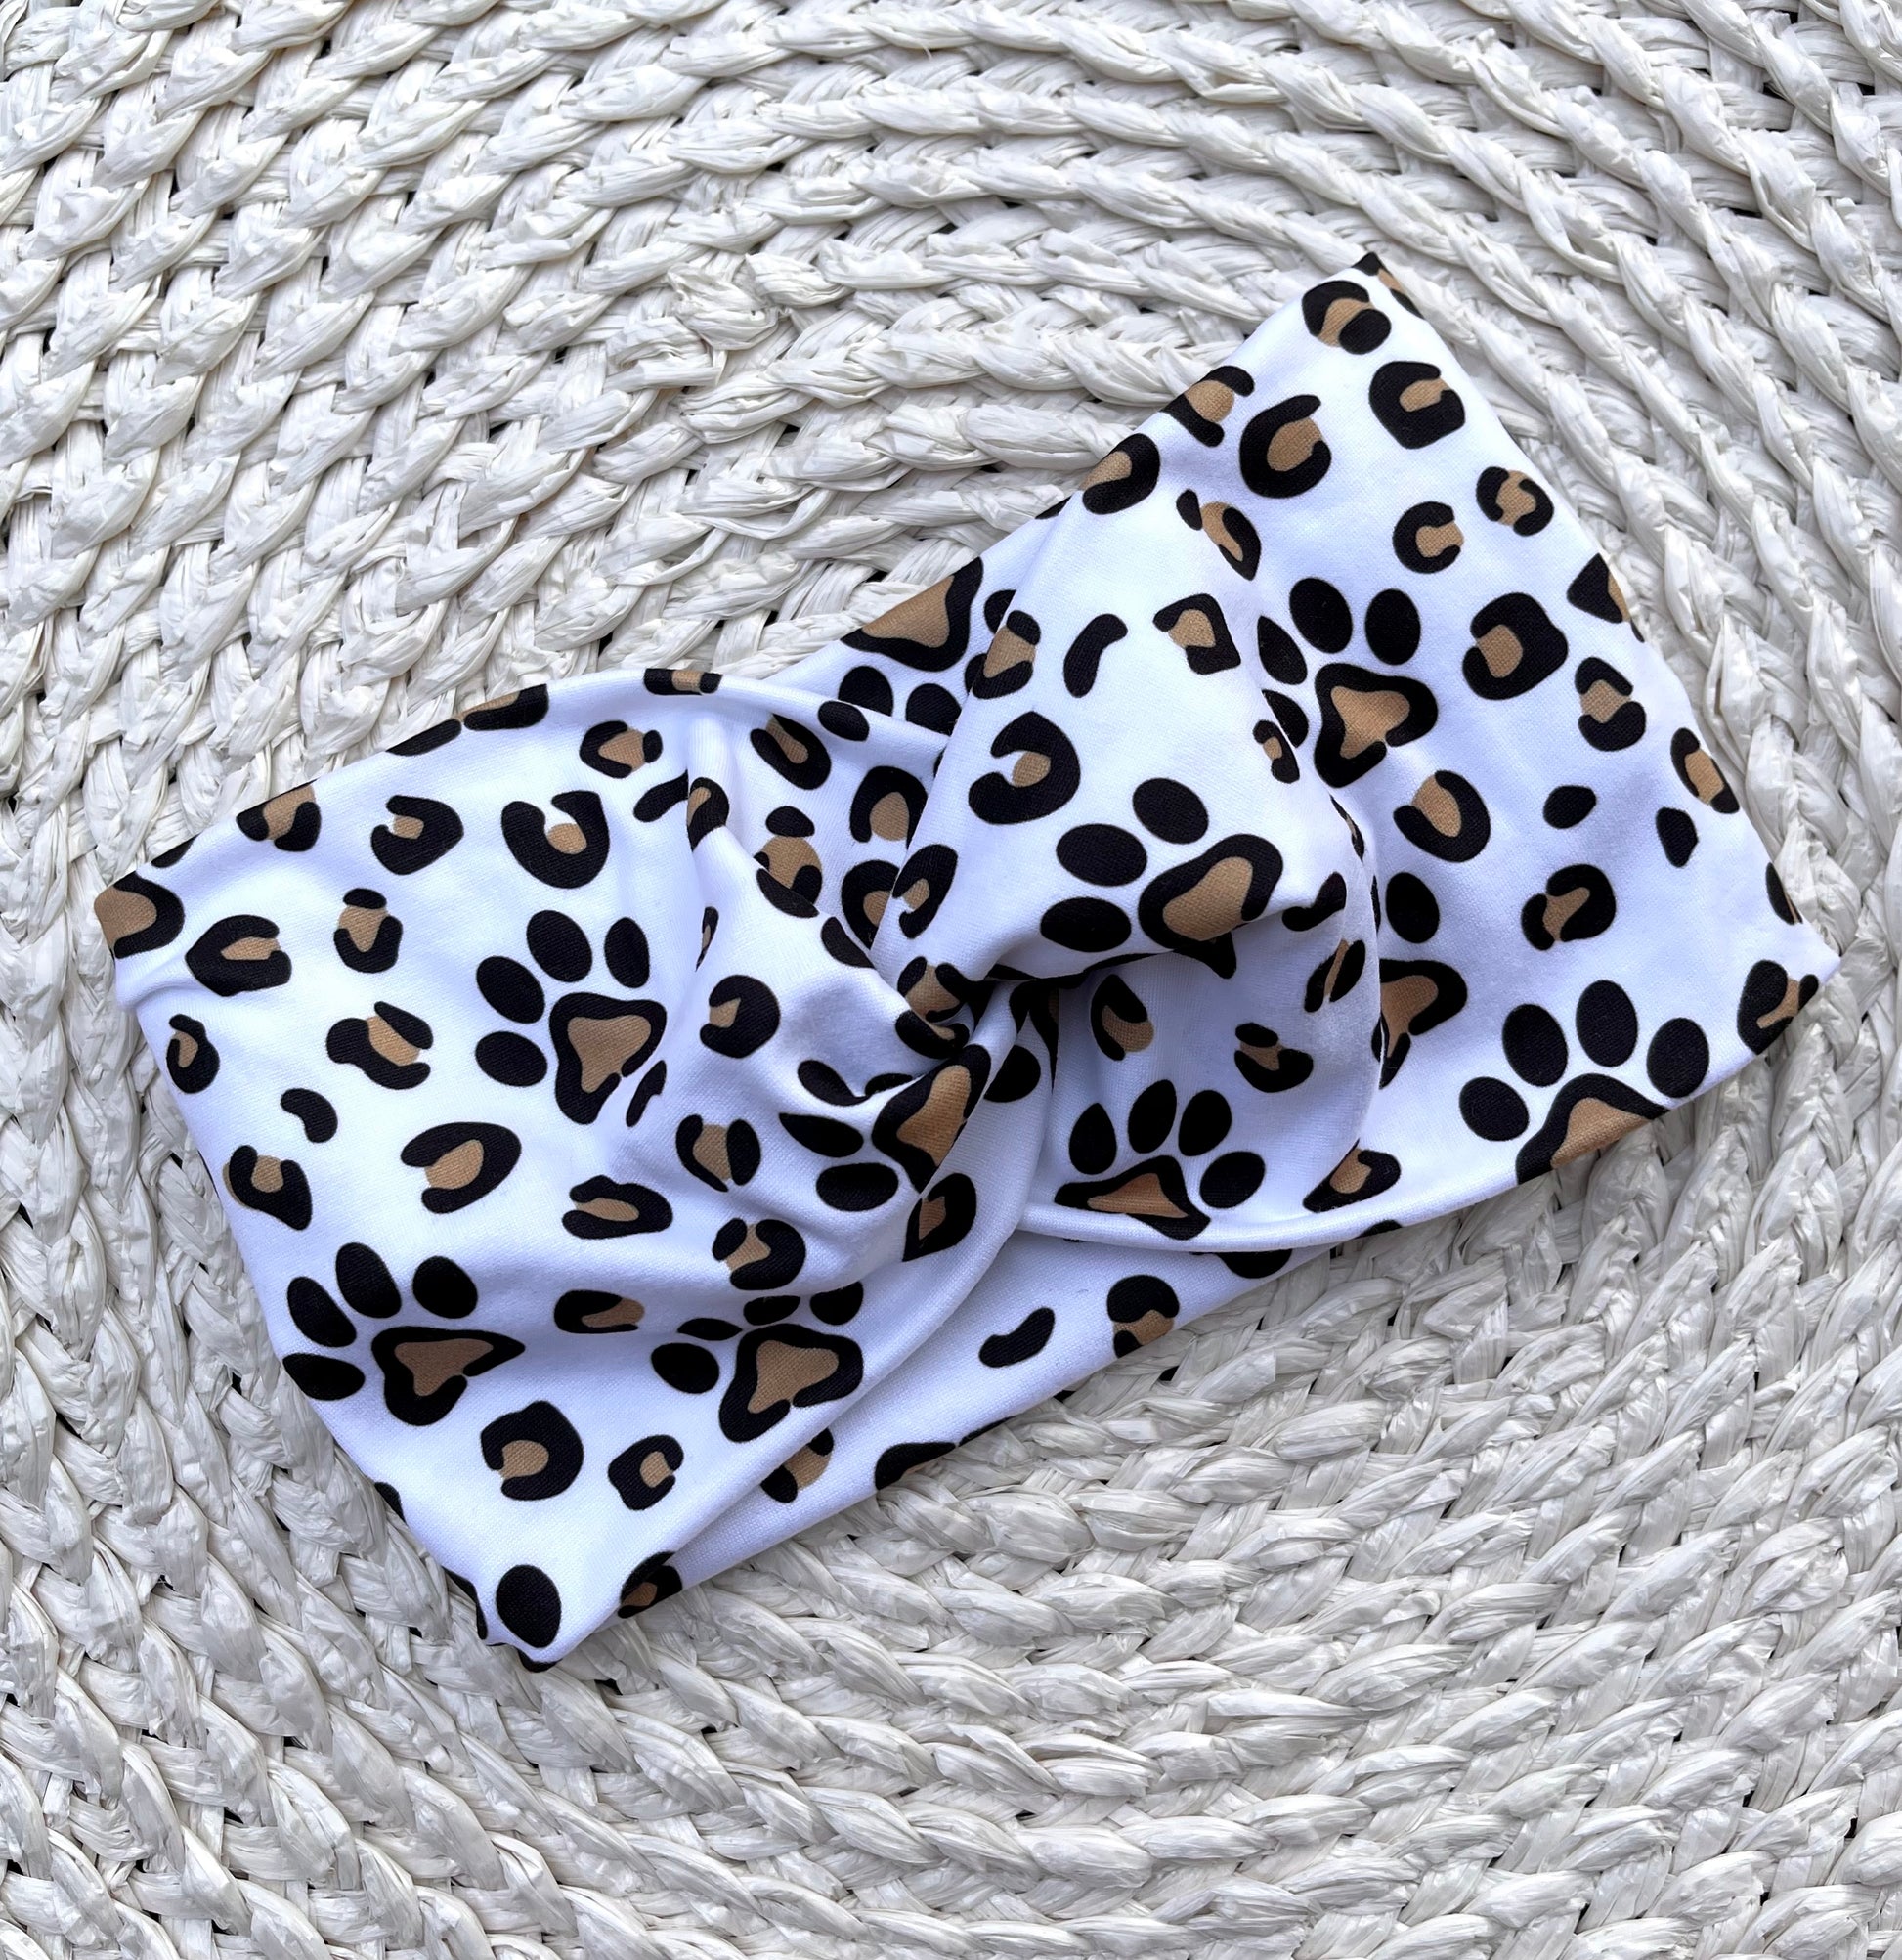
(779, 1364)
(1589, 1111)
(1155, 1191)
(598, 1039)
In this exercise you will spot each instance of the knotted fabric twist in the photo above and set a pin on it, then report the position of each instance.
(659, 1109)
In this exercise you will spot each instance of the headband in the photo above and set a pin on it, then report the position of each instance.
(659, 1109)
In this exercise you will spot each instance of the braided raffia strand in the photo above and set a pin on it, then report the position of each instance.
(1517, 1587)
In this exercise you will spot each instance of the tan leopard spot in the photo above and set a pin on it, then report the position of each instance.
(795, 752)
(806, 1466)
(567, 838)
(1216, 522)
(1031, 768)
(359, 924)
(1601, 700)
(267, 1174)
(786, 857)
(785, 1371)
(915, 893)
(624, 1313)
(749, 1249)
(1501, 650)
(279, 812)
(1403, 1001)
(710, 1151)
(405, 827)
(1560, 909)
(456, 1168)
(1515, 500)
(1130, 1036)
(1340, 316)
(654, 1469)
(524, 1458)
(1293, 444)
(1214, 401)
(431, 1365)
(1419, 395)
(1591, 1126)
(1141, 1197)
(638, 1599)
(1264, 1055)
(1112, 470)
(1153, 1325)
(1193, 631)
(937, 1123)
(1437, 803)
(388, 1043)
(1707, 779)
(723, 1014)
(1785, 1009)
(254, 946)
(1367, 718)
(121, 914)
(1432, 540)
(929, 996)
(185, 1049)
(876, 902)
(890, 817)
(1334, 966)
(932, 1213)
(1213, 905)
(1007, 650)
(925, 618)
(1351, 1174)
(611, 1211)
(628, 749)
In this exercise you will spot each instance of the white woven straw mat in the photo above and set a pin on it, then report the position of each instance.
(1523, 1585)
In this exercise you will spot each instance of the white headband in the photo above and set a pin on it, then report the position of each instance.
(660, 1109)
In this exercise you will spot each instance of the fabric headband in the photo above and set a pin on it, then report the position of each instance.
(659, 1109)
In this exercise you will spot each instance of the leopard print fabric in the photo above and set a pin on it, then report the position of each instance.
(659, 1109)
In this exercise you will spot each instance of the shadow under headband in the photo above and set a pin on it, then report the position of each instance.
(659, 1109)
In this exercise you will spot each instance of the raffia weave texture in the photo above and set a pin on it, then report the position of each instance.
(1521, 1586)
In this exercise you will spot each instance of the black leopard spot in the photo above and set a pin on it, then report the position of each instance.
(1510, 497)
(842, 719)
(1363, 715)
(708, 809)
(1416, 996)
(1282, 451)
(646, 1089)
(762, 1257)
(1361, 1174)
(1198, 625)
(442, 1287)
(1008, 661)
(1018, 1075)
(1779, 898)
(1589, 1114)
(1770, 1001)
(1102, 853)
(317, 1113)
(1596, 590)
(290, 821)
(1339, 314)
(191, 1059)
(1447, 818)
(1328, 900)
(653, 1580)
(1118, 1020)
(420, 832)
(1169, 809)
(791, 750)
(800, 1470)
(1678, 836)
(653, 805)
(1700, 775)
(1515, 646)
(931, 630)
(385, 1045)
(1337, 975)
(780, 1369)
(1608, 719)
(1607, 1023)
(942, 1218)
(886, 805)
(434, 736)
(1254, 1265)
(274, 1185)
(587, 1311)
(1369, 263)
(537, 1451)
(604, 1208)
(1205, 405)
(679, 681)
(1578, 903)
(1428, 538)
(618, 750)
(520, 708)
(1087, 649)
(238, 955)
(137, 916)
(1142, 1309)
(1415, 403)
(367, 936)
(1265, 1063)
(1284, 764)
(720, 1155)
(1227, 528)
(1044, 778)
(1195, 907)
(323, 1377)
(1569, 805)
(644, 1472)
(1535, 1045)
(565, 854)
(461, 1162)
(1153, 1193)
(425, 1370)
(904, 1457)
(1493, 1109)
(742, 1017)
(527, 1602)
(925, 878)
(1028, 1338)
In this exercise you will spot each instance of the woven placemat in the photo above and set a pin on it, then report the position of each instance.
(1518, 1587)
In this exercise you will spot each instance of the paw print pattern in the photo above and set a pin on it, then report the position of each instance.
(1589, 1110)
(1153, 1190)
(779, 1364)
(598, 1040)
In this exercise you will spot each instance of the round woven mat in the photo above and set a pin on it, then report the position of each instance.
(1519, 1587)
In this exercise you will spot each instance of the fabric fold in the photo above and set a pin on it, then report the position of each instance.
(658, 1109)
